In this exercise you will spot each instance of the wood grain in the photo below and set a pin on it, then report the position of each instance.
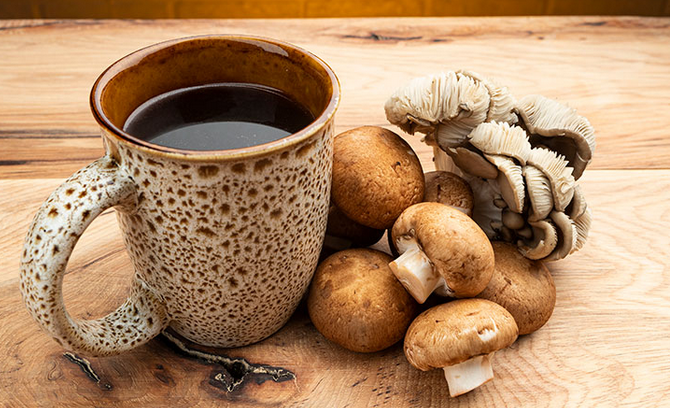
(615, 71)
(608, 341)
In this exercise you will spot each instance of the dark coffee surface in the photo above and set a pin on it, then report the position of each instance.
(217, 117)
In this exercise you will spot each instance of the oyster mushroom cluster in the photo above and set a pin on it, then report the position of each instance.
(522, 158)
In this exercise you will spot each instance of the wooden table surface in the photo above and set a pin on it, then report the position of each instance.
(608, 342)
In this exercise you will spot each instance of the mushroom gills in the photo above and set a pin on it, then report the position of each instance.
(472, 108)
(468, 375)
(560, 128)
(501, 139)
(582, 224)
(578, 204)
(501, 102)
(414, 270)
(558, 173)
(510, 181)
(539, 192)
(566, 236)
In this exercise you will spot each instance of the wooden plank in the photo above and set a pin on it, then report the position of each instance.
(615, 71)
(607, 343)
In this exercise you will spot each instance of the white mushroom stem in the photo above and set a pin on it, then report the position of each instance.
(468, 375)
(414, 270)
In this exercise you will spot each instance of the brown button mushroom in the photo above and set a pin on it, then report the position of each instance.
(376, 176)
(460, 337)
(356, 302)
(450, 189)
(522, 286)
(342, 232)
(440, 246)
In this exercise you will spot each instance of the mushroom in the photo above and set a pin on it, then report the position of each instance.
(582, 224)
(543, 241)
(501, 139)
(440, 246)
(449, 105)
(522, 286)
(356, 302)
(524, 185)
(566, 236)
(342, 232)
(547, 119)
(538, 191)
(501, 101)
(578, 204)
(512, 220)
(473, 163)
(510, 181)
(450, 189)
(376, 175)
(555, 168)
(460, 337)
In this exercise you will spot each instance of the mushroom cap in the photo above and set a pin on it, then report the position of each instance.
(555, 169)
(544, 240)
(356, 302)
(566, 236)
(449, 105)
(510, 181)
(473, 163)
(341, 226)
(560, 128)
(457, 247)
(376, 175)
(450, 189)
(539, 192)
(456, 331)
(523, 287)
(501, 103)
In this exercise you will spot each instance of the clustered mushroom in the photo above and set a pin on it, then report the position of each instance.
(518, 191)
(521, 158)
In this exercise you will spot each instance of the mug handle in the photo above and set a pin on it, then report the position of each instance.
(53, 234)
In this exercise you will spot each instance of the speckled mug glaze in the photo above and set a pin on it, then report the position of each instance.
(223, 243)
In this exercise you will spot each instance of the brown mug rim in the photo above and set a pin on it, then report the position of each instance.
(135, 57)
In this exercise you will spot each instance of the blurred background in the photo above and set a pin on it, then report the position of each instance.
(147, 9)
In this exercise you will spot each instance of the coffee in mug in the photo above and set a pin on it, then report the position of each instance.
(218, 117)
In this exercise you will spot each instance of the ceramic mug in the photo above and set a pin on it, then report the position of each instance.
(223, 243)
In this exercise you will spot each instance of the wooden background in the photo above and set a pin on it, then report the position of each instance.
(608, 342)
(323, 8)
